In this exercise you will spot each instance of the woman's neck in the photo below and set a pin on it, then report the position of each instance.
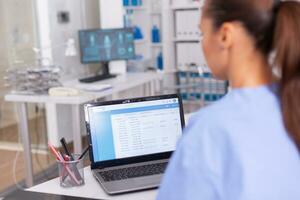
(249, 71)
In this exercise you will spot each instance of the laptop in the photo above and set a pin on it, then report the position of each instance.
(132, 140)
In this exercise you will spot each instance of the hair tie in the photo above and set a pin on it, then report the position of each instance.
(276, 6)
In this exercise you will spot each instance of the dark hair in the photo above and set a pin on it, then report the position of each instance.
(275, 27)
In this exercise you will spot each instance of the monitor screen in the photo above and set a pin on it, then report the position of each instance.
(135, 129)
(103, 45)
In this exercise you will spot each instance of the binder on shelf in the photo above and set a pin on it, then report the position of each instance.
(193, 91)
(188, 53)
(200, 89)
(187, 31)
(182, 76)
(186, 3)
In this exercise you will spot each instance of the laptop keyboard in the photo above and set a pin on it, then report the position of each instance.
(133, 172)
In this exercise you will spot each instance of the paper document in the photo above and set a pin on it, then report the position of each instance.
(93, 87)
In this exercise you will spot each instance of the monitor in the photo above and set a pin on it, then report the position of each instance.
(105, 45)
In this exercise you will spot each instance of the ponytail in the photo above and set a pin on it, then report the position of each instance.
(287, 47)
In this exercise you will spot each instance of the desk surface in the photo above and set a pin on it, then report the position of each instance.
(91, 189)
(121, 83)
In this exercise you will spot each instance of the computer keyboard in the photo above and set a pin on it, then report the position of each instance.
(97, 78)
(133, 172)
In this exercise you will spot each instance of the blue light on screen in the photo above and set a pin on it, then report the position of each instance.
(102, 133)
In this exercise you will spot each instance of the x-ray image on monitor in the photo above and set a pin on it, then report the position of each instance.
(106, 45)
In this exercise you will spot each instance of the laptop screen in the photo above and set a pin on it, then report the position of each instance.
(134, 129)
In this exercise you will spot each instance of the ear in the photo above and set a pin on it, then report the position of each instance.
(226, 35)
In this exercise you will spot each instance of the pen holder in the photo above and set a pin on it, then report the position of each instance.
(71, 173)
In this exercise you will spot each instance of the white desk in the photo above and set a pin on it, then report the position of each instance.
(91, 189)
(119, 84)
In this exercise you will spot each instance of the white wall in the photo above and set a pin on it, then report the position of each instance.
(92, 14)
(83, 15)
(111, 13)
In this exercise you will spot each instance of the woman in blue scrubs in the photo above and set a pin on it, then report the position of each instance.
(246, 146)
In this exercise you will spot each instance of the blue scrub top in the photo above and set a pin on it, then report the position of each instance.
(235, 149)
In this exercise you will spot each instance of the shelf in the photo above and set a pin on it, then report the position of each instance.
(193, 102)
(169, 71)
(155, 13)
(157, 45)
(140, 42)
(172, 71)
(134, 8)
(187, 40)
(194, 6)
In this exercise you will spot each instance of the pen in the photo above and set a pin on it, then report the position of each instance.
(84, 152)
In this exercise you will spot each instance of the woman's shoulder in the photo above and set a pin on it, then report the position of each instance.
(215, 112)
(211, 125)
(206, 134)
